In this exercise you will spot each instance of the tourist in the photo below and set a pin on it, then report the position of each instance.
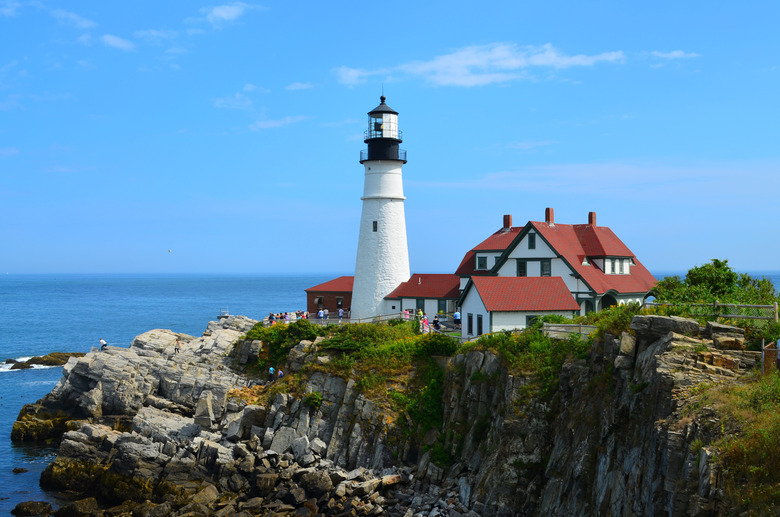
(271, 374)
(419, 314)
(436, 324)
(406, 314)
(325, 312)
(320, 315)
(456, 318)
(281, 373)
(178, 346)
(103, 344)
(271, 319)
(341, 314)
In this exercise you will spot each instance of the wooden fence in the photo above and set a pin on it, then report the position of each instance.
(563, 331)
(726, 310)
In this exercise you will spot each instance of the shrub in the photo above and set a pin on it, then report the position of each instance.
(437, 344)
(313, 399)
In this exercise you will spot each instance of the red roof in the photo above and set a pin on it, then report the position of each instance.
(524, 293)
(428, 286)
(575, 242)
(499, 241)
(342, 284)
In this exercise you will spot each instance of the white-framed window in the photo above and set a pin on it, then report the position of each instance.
(482, 262)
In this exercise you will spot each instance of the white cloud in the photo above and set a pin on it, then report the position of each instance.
(154, 36)
(239, 101)
(117, 42)
(225, 13)
(254, 88)
(8, 151)
(269, 124)
(72, 19)
(9, 8)
(481, 65)
(675, 54)
(299, 86)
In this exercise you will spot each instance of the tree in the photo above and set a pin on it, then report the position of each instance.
(716, 281)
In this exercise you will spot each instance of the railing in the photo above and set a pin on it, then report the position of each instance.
(563, 331)
(726, 310)
(401, 155)
(380, 133)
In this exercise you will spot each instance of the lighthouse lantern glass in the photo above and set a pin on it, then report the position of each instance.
(384, 125)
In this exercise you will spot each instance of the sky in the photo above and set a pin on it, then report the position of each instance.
(186, 137)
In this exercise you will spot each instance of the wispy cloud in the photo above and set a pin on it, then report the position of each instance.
(5, 152)
(269, 124)
(299, 86)
(117, 42)
(254, 88)
(155, 36)
(482, 65)
(239, 101)
(675, 54)
(226, 13)
(9, 8)
(72, 19)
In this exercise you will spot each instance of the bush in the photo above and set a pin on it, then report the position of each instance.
(313, 399)
(437, 344)
(278, 339)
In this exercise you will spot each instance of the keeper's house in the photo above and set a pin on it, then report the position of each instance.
(521, 273)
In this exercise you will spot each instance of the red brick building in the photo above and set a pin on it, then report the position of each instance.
(332, 295)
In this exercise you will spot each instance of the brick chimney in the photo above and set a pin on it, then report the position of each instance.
(592, 218)
(549, 216)
(507, 221)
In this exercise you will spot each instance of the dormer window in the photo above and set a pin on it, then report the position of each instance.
(585, 262)
(482, 262)
(531, 241)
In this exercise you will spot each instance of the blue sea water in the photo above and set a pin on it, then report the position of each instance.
(70, 313)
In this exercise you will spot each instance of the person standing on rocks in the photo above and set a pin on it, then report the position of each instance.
(281, 374)
(178, 345)
(271, 374)
(103, 344)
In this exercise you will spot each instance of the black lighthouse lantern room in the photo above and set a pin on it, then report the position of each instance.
(383, 135)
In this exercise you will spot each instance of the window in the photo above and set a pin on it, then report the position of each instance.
(470, 324)
(479, 324)
(531, 241)
(530, 320)
(618, 267)
(339, 302)
(546, 267)
(420, 304)
(442, 306)
(481, 262)
(522, 268)
(375, 225)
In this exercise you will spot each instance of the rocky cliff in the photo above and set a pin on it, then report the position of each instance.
(156, 432)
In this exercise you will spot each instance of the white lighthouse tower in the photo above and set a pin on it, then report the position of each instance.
(382, 255)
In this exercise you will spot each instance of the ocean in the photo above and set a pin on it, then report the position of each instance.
(70, 313)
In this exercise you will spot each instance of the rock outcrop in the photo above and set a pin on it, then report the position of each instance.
(148, 431)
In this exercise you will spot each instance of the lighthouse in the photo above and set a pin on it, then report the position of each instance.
(382, 255)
